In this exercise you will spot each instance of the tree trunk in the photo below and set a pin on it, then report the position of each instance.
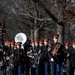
(36, 23)
(32, 34)
(36, 33)
(60, 28)
(60, 31)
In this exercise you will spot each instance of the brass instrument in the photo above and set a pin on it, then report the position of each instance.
(7, 58)
(21, 37)
(35, 56)
(55, 50)
(49, 48)
(29, 54)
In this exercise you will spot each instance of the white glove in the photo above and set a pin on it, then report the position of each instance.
(67, 55)
(52, 59)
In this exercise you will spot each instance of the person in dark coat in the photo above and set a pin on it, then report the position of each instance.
(57, 56)
(6, 56)
(40, 63)
(17, 62)
(66, 58)
(72, 58)
(37, 56)
(30, 54)
(44, 58)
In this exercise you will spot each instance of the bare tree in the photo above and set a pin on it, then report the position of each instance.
(37, 18)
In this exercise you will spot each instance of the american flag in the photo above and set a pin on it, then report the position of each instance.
(2, 31)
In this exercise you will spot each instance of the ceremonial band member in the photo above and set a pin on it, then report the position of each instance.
(72, 58)
(6, 55)
(37, 56)
(67, 58)
(44, 59)
(30, 54)
(57, 56)
(17, 62)
(40, 49)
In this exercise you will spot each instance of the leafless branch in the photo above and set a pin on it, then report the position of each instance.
(39, 19)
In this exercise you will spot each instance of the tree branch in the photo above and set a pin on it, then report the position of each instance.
(25, 24)
(39, 19)
(49, 13)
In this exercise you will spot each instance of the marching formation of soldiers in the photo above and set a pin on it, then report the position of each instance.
(40, 57)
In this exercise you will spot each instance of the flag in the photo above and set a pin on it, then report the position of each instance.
(3, 30)
(0, 31)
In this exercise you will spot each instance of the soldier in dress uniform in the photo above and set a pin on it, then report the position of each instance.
(12, 56)
(21, 58)
(40, 64)
(27, 63)
(44, 59)
(17, 66)
(66, 58)
(72, 58)
(37, 56)
(15, 60)
(40, 47)
(57, 56)
(11, 51)
(6, 47)
(30, 54)
(6, 56)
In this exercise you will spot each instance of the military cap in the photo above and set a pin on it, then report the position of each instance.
(73, 42)
(18, 43)
(6, 41)
(46, 39)
(40, 41)
(55, 35)
(66, 43)
(36, 41)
